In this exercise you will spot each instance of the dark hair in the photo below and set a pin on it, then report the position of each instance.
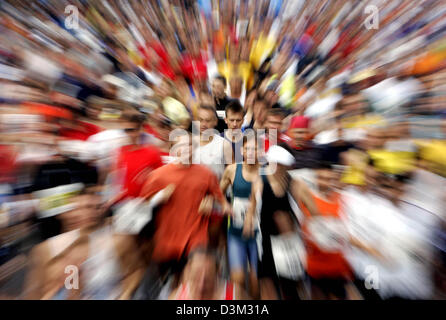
(235, 107)
(324, 165)
(209, 108)
(204, 91)
(222, 79)
(260, 99)
(276, 112)
(248, 138)
(135, 118)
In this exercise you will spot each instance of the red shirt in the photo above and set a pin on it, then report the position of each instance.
(7, 163)
(282, 138)
(83, 133)
(137, 161)
(322, 263)
(194, 67)
(180, 228)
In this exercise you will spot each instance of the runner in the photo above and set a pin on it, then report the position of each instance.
(242, 247)
(277, 218)
(326, 237)
(179, 225)
(234, 118)
(200, 280)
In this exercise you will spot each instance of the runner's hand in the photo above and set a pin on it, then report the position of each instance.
(227, 209)
(168, 193)
(248, 230)
(206, 205)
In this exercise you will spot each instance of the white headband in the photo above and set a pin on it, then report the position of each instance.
(279, 155)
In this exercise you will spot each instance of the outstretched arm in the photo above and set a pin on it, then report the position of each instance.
(300, 191)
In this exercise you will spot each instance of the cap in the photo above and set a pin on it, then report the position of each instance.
(277, 154)
(299, 122)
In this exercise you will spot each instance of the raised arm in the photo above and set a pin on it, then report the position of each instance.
(300, 191)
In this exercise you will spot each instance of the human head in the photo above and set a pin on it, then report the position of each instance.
(234, 115)
(218, 87)
(392, 186)
(208, 118)
(327, 178)
(259, 111)
(298, 131)
(273, 122)
(249, 149)
(182, 146)
(133, 124)
(205, 98)
(85, 213)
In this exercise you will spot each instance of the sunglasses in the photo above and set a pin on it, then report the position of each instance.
(128, 130)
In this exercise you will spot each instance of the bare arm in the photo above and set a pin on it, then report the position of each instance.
(300, 191)
(228, 177)
(228, 154)
(34, 282)
(257, 188)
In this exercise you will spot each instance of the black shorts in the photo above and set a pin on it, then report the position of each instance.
(335, 286)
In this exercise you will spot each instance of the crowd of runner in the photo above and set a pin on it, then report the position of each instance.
(182, 149)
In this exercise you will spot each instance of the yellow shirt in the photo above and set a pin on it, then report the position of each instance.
(261, 49)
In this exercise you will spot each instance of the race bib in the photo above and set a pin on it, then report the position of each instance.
(132, 216)
(57, 200)
(289, 255)
(329, 234)
(240, 207)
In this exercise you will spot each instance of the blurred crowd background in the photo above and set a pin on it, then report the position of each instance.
(347, 104)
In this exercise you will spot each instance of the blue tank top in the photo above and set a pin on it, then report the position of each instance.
(241, 188)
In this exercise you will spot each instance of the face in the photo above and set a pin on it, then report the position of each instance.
(207, 119)
(327, 179)
(164, 130)
(218, 88)
(183, 149)
(133, 130)
(391, 189)
(249, 150)
(299, 136)
(273, 124)
(85, 214)
(259, 111)
(234, 120)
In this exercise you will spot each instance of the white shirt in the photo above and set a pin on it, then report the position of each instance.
(211, 155)
(398, 237)
(427, 191)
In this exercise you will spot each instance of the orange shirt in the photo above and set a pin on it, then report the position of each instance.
(179, 226)
(322, 263)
